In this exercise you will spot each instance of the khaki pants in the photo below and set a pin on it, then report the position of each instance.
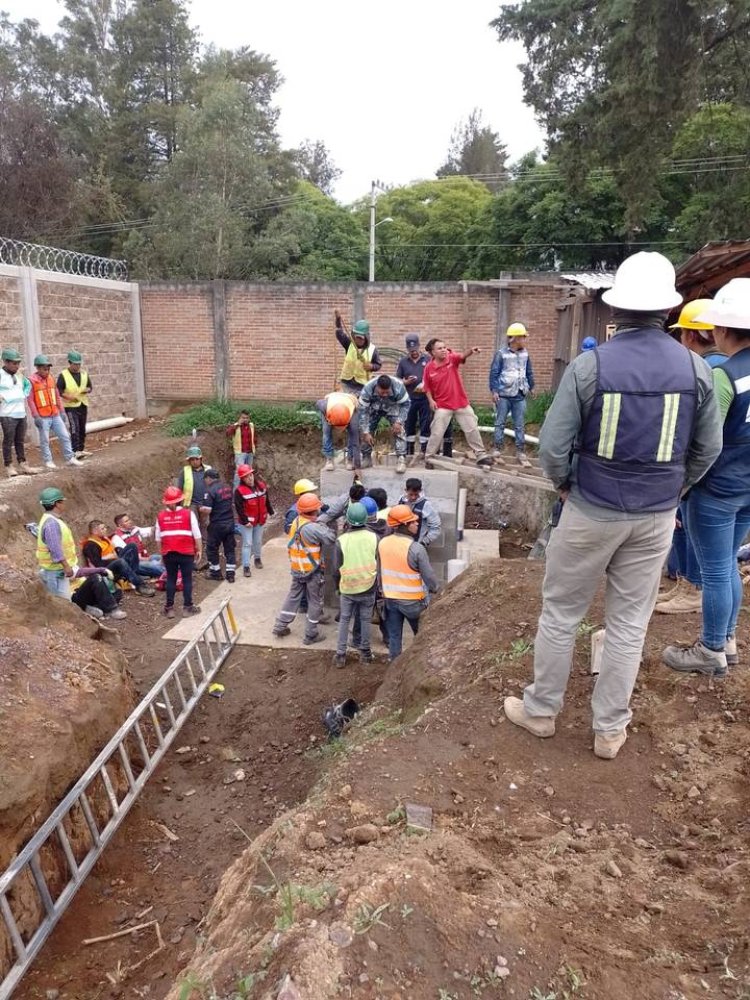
(467, 421)
(630, 554)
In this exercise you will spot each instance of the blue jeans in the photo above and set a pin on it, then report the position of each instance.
(516, 406)
(682, 558)
(56, 582)
(396, 613)
(153, 567)
(718, 526)
(241, 458)
(352, 440)
(252, 540)
(59, 428)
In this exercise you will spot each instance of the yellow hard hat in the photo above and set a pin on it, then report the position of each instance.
(516, 330)
(304, 486)
(690, 310)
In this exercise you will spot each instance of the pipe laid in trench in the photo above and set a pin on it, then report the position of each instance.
(107, 424)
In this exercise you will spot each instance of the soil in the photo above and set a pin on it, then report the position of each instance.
(547, 873)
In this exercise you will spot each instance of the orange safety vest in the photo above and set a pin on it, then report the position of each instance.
(108, 549)
(400, 581)
(45, 396)
(304, 559)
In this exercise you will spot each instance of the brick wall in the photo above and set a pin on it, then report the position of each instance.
(279, 339)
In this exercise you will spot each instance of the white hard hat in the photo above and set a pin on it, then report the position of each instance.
(731, 305)
(644, 282)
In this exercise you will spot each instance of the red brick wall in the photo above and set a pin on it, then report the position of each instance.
(280, 341)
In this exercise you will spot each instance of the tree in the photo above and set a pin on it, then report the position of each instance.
(316, 165)
(476, 151)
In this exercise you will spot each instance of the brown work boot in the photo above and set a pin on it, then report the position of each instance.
(669, 589)
(10, 472)
(687, 600)
(607, 745)
(29, 470)
(542, 726)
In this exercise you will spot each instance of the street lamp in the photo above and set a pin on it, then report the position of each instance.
(373, 226)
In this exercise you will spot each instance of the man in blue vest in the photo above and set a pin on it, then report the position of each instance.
(511, 380)
(429, 524)
(634, 423)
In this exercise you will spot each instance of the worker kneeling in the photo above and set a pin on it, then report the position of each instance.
(306, 539)
(356, 578)
(405, 574)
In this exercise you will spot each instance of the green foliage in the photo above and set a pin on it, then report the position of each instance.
(476, 151)
(221, 413)
(536, 410)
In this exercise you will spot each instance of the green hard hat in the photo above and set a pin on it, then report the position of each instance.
(75, 357)
(50, 496)
(9, 354)
(356, 513)
(42, 359)
(193, 452)
(361, 328)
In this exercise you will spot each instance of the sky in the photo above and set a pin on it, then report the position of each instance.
(382, 85)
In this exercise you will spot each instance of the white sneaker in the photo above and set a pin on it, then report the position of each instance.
(349, 464)
(400, 464)
(329, 465)
(74, 461)
(10, 472)
(83, 454)
(50, 465)
(93, 611)
(116, 614)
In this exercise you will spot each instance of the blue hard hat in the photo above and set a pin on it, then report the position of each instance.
(370, 506)
(589, 343)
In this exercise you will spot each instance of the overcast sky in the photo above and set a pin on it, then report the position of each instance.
(382, 84)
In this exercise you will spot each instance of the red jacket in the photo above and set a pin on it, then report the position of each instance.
(252, 503)
(176, 530)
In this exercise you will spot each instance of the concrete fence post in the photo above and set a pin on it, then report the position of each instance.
(221, 346)
(139, 367)
(32, 329)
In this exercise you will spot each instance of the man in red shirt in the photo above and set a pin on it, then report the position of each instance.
(445, 391)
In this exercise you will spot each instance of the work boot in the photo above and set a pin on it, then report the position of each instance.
(695, 659)
(50, 465)
(116, 613)
(83, 454)
(168, 612)
(215, 574)
(246, 572)
(145, 590)
(329, 465)
(671, 589)
(348, 464)
(93, 612)
(417, 459)
(281, 632)
(730, 651)
(29, 470)
(687, 600)
(400, 464)
(74, 461)
(339, 660)
(326, 619)
(523, 460)
(192, 609)
(484, 462)
(365, 656)
(607, 747)
(10, 472)
(538, 725)
(230, 576)
(318, 637)
(258, 564)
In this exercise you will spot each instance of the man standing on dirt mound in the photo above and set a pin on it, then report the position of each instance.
(640, 419)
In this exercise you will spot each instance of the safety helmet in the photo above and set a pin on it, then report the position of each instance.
(42, 359)
(338, 415)
(690, 310)
(645, 282)
(356, 513)
(244, 470)
(400, 514)
(730, 306)
(304, 486)
(361, 328)
(516, 330)
(50, 496)
(370, 506)
(75, 357)
(309, 503)
(9, 354)
(172, 494)
(589, 343)
(193, 452)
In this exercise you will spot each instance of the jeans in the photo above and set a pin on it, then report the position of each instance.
(58, 427)
(77, 422)
(14, 434)
(516, 406)
(718, 526)
(396, 613)
(152, 567)
(349, 606)
(126, 567)
(682, 558)
(352, 440)
(56, 582)
(241, 458)
(252, 541)
(175, 562)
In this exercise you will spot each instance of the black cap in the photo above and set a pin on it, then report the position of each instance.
(210, 474)
(412, 340)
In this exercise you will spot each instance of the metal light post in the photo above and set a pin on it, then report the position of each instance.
(374, 225)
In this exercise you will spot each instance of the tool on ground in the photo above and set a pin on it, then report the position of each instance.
(539, 547)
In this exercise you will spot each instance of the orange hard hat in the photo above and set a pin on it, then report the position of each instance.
(244, 470)
(338, 415)
(308, 503)
(173, 494)
(400, 514)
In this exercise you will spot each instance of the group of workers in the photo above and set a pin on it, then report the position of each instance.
(57, 406)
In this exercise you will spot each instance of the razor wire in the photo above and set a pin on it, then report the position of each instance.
(44, 258)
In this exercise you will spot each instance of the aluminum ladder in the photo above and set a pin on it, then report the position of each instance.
(72, 839)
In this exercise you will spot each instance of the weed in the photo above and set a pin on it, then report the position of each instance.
(406, 911)
(518, 649)
(220, 413)
(246, 984)
(536, 994)
(446, 995)
(192, 984)
(586, 628)
(367, 917)
(389, 725)
(397, 816)
(329, 750)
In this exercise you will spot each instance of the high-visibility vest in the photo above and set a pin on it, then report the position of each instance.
(237, 440)
(45, 396)
(353, 370)
(254, 503)
(337, 399)
(188, 484)
(176, 530)
(107, 548)
(359, 568)
(400, 581)
(73, 387)
(303, 558)
(43, 556)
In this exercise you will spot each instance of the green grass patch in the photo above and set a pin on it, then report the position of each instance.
(221, 413)
(536, 410)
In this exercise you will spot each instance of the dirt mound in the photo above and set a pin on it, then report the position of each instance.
(547, 874)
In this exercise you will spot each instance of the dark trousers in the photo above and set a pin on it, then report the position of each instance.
(175, 562)
(419, 415)
(14, 432)
(218, 536)
(77, 422)
(95, 592)
(125, 567)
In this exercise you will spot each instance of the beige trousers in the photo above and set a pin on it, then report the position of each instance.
(467, 421)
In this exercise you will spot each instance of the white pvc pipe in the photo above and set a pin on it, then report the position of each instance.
(508, 432)
(461, 515)
(107, 424)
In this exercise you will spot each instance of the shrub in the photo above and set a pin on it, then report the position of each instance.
(220, 413)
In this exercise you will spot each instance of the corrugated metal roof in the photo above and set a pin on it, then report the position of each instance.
(712, 266)
(591, 279)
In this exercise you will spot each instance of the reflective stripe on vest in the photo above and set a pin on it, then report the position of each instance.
(43, 556)
(45, 396)
(353, 369)
(237, 440)
(176, 531)
(71, 386)
(304, 559)
(400, 581)
(188, 484)
(254, 503)
(359, 568)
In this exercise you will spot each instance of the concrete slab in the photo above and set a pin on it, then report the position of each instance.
(478, 545)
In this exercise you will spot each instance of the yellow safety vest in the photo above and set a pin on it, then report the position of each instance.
(400, 581)
(188, 484)
(382, 515)
(353, 370)
(237, 439)
(359, 568)
(303, 558)
(72, 386)
(43, 556)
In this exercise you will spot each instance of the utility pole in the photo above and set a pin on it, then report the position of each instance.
(372, 231)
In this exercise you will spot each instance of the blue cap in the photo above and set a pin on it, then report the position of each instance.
(370, 506)
(589, 343)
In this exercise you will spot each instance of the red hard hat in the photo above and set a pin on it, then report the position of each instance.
(172, 494)
(308, 503)
(244, 470)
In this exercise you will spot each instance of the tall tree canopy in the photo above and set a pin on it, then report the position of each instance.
(476, 151)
